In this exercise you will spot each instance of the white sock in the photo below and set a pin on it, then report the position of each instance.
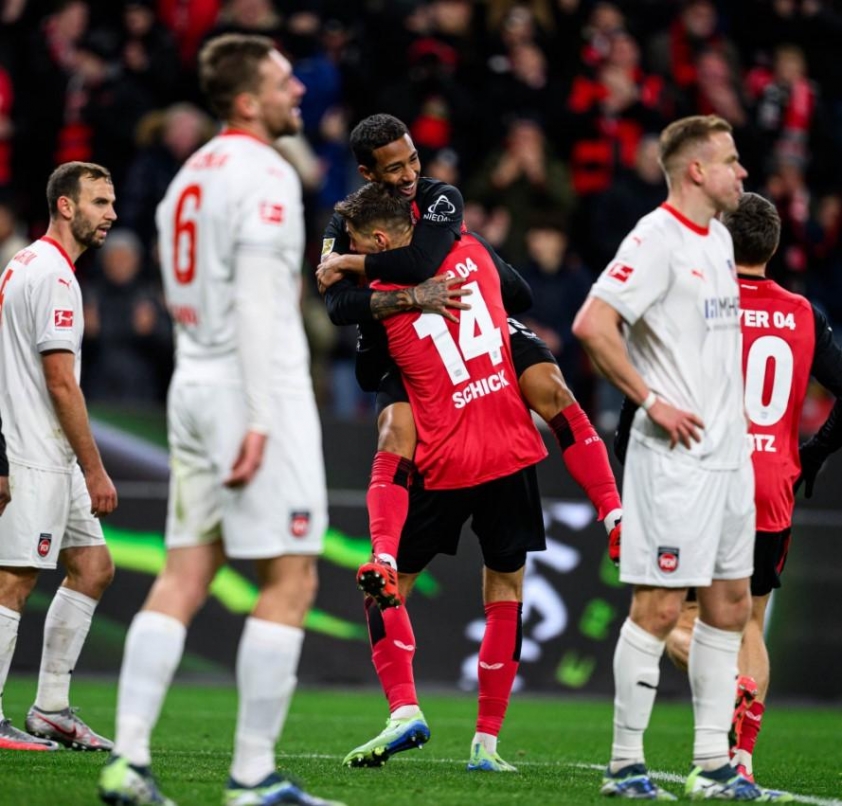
(267, 663)
(488, 741)
(405, 712)
(712, 669)
(637, 670)
(65, 630)
(154, 645)
(388, 558)
(9, 623)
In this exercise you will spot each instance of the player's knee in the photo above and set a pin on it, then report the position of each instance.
(91, 573)
(16, 587)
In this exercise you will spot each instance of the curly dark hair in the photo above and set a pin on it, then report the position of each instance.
(372, 133)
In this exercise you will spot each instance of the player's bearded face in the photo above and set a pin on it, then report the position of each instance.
(94, 213)
(279, 96)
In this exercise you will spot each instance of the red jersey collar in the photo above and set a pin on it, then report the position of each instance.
(241, 133)
(684, 220)
(57, 245)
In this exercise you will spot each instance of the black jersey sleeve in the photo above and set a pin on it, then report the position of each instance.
(440, 210)
(4, 459)
(827, 370)
(516, 292)
(372, 358)
(827, 358)
(348, 303)
(335, 237)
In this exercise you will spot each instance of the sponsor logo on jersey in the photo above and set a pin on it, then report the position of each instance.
(698, 273)
(62, 318)
(45, 541)
(722, 307)
(25, 256)
(484, 386)
(668, 559)
(442, 206)
(64, 282)
(299, 523)
(327, 245)
(620, 272)
(271, 213)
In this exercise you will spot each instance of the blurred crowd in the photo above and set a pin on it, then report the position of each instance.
(545, 113)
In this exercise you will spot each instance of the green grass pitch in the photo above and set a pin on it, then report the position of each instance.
(559, 746)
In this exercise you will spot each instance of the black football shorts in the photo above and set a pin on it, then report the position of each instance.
(506, 517)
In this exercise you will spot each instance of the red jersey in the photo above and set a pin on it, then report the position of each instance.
(779, 343)
(471, 421)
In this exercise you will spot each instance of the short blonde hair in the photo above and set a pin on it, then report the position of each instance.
(687, 132)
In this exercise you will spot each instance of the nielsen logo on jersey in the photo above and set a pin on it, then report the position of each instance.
(620, 272)
(722, 307)
(62, 319)
(481, 388)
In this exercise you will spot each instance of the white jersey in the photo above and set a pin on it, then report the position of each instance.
(236, 194)
(40, 310)
(674, 283)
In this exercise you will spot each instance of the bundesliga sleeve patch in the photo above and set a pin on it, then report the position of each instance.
(327, 245)
(271, 213)
(620, 272)
(63, 319)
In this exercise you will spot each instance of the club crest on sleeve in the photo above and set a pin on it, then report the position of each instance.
(299, 523)
(620, 272)
(45, 542)
(62, 318)
(271, 213)
(668, 559)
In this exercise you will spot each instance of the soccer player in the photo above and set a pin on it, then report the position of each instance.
(60, 485)
(386, 154)
(247, 478)
(785, 340)
(688, 484)
(459, 378)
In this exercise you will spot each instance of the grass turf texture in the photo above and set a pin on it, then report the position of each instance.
(558, 744)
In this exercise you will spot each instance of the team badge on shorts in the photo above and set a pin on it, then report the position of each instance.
(299, 523)
(45, 541)
(667, 559)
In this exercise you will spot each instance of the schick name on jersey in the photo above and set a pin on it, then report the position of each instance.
(481, 388)
(722, 307)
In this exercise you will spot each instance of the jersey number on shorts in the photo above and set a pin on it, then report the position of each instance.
(184, 234)
(768, 409)
(477, 336)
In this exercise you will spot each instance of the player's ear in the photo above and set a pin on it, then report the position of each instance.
(245, 105)
(381, 239)
(65, 207)
(366, 173)
(696, 171)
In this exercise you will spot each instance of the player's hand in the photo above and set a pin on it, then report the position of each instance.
(812, 460)
(248, 460)
(5, 493)
(614, 537)
(438, 294)
(682, 426)
(326, 276)
(102, 492)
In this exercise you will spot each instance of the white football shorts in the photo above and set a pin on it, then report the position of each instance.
(49, 511)
(283, 510)
(685, 525)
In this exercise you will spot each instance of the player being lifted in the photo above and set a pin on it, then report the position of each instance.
(476, 451)
(386, 154)
(785, 341)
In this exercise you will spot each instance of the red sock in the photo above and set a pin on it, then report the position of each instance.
(388, 500)
(499, 658)
(750, 727)
(392, 651)
(586, 459)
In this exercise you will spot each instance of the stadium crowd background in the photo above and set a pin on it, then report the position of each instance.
(544, 113)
